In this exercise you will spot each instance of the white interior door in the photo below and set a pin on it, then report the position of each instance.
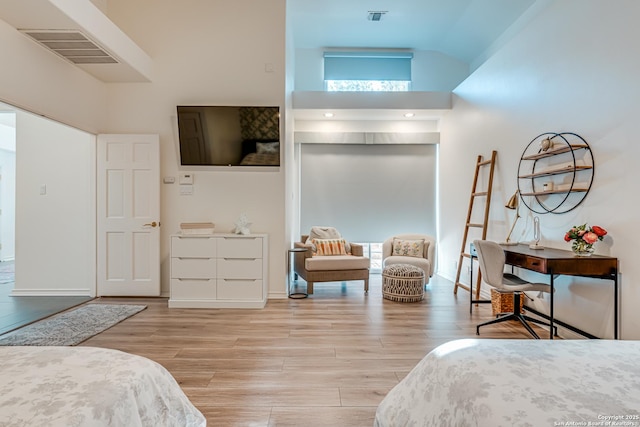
(128, 208)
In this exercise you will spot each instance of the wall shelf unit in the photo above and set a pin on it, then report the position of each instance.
(555, 172)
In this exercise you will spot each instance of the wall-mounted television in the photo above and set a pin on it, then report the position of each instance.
(229, 135)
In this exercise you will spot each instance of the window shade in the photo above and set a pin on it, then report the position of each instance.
(367, 66)
(368, 192)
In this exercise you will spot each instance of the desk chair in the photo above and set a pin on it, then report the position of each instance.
(491, 260)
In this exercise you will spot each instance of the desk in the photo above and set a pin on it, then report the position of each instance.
(561, 262)
(554, 262)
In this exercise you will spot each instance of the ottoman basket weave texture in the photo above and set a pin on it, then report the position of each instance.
(403, 283)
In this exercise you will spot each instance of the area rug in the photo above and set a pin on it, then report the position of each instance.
(72, 327)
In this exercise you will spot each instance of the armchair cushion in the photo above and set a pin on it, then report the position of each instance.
(336, 262)
(410, 248)
(422, 263)
(329, 246)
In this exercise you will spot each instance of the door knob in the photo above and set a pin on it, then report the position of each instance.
(152, 224)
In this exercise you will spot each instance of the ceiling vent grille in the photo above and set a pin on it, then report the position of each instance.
(376, 15)
(72, 45)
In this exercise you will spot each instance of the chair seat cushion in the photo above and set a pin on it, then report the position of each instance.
(336, 262)
(422, 263)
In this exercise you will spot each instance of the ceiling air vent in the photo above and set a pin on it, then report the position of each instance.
(72, 45)
(376, 15)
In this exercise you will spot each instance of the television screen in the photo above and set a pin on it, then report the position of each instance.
(229, 135)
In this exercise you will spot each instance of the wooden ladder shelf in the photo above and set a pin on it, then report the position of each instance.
(480, 164)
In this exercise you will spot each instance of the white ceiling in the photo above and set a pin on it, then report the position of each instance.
(463, 29)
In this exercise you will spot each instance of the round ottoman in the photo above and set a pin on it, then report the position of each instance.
(403, 283)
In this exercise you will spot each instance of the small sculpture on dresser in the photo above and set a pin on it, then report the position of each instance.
(242, 225)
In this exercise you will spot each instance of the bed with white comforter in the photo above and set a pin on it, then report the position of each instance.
(89, 387)
(519, 383)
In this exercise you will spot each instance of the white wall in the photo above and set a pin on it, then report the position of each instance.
(55, 243)
(573, 68)
(216, 53)
(56, 256)
(431, 71)
(35, 79)
(7, 190)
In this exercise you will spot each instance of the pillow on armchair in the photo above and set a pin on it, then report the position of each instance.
(329, 247)
(414, 248)
(321, 233)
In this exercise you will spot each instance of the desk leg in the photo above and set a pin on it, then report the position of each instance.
(615, 305)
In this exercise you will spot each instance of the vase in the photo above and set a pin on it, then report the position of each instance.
(583, 249)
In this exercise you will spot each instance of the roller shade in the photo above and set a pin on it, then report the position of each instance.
(368, 192)
(367, 66)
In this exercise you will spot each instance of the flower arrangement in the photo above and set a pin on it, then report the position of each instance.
(584, 237)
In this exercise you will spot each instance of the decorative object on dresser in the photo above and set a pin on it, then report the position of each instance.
(242, 225)
(197, 228)
(219, 271)
(555, 172)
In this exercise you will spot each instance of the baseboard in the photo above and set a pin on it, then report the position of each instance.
(277, 295)
(51, 293)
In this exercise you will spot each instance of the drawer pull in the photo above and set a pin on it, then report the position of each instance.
(240, 259)
(535, 263)
(240, 280)
(194, 279)
(192, 257)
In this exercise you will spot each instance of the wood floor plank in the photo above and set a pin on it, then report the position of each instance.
(327, 360)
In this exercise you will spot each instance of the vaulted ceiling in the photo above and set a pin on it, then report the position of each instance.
(463, 29)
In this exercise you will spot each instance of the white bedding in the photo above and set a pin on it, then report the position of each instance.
(519, 383)
(89, 387)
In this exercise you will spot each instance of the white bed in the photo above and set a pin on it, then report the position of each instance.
(519, 383)
(89, 387)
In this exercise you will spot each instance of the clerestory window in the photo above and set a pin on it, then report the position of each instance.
(367, 71)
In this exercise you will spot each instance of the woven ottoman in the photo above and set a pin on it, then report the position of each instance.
(403, 283)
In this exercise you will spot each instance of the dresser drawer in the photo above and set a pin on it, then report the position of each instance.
(240, 247)
(193, 289)
(239, 289)
(238, 268)
(193, 268)
(193, 247)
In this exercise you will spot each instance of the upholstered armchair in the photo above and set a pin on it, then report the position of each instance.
(329, 258)
(418, 250)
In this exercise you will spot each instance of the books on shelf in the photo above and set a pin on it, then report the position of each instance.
(197, 227)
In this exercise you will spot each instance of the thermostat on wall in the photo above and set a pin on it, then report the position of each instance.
(186, 178)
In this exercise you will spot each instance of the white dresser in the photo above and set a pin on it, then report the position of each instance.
(219, 271)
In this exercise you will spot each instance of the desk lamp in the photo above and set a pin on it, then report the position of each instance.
(513, 203)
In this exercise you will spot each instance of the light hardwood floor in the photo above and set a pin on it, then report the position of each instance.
(323, 361)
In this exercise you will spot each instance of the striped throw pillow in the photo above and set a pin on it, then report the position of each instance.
(330, 246)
